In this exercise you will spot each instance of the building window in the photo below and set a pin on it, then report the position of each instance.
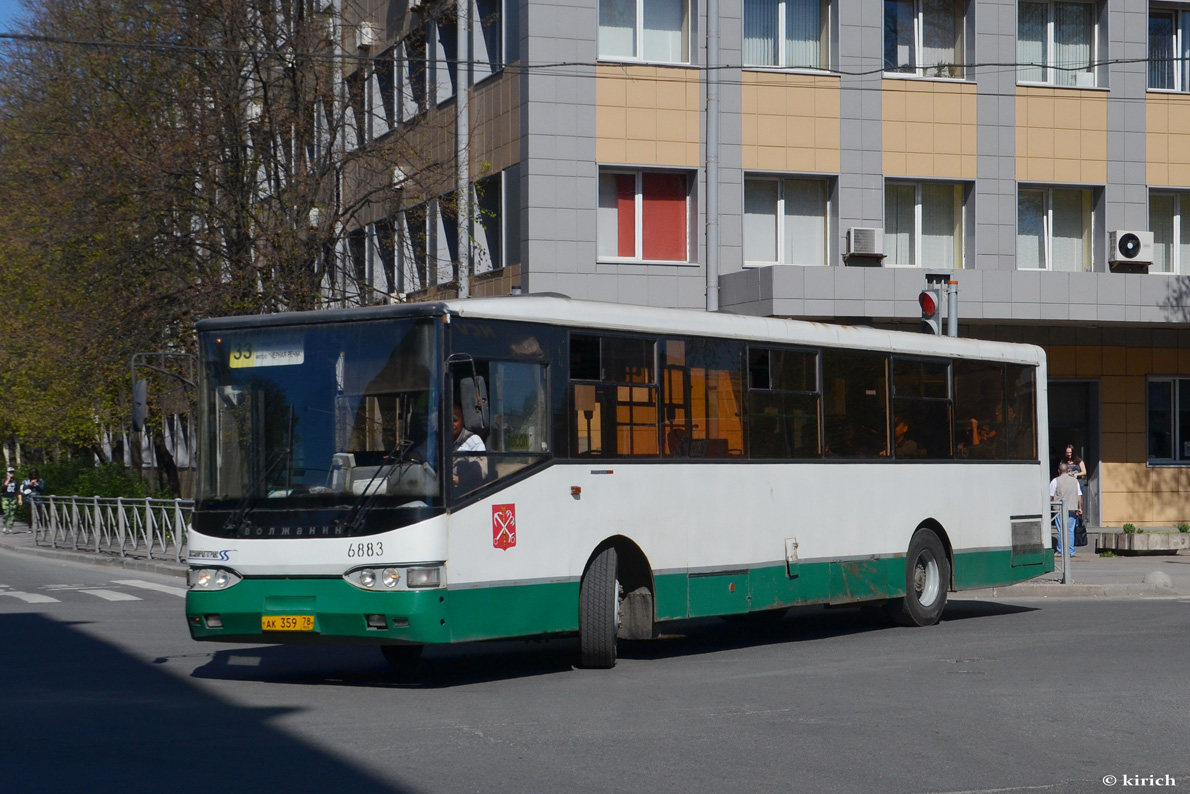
(644, 215)
(923, 224)
(413, 240)
(785, 221)
(1168, 416)
(487, 37)
(1169, 219)
(924, 37)
(1169, 49)
(446, 58)
(411, 75)
(646, 30)
(489, 209)
(1055, 43)
(1054, 229)
(786, 33)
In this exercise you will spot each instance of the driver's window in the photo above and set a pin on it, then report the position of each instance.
(517, 434)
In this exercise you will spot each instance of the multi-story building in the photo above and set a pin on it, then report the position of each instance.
(813, 159)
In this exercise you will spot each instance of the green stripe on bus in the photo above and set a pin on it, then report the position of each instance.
(444, 616)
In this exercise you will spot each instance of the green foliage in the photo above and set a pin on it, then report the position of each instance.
(1107, 553)
(1183, 527)
(83, 478)
(1130, 529)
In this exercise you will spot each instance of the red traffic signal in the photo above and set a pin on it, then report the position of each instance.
(930, 301)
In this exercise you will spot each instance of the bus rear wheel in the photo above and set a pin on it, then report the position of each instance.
(599, 612)
(927, 577)
(401, 657)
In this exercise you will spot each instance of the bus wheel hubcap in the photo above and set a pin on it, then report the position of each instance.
(926, 581)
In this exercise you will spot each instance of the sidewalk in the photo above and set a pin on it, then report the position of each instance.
(22, 541)
(1106, 577)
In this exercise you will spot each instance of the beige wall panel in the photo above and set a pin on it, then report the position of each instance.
(1061, 135)
(928, 129)
(1088, 361)
(1061, 360)
(495, 124)
(1165, 361)
(1114, 360)
(789, 122)
(1167, 139)
(647, 115)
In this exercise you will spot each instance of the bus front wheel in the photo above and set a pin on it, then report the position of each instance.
(927, 577)
(599, 612)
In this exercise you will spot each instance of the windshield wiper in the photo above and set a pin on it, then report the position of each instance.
(355, 517)
(245, 505)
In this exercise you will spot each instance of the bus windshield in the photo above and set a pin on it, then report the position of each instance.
(321, 413)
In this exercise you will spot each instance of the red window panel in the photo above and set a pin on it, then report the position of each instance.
(626, 215)
(663, 216)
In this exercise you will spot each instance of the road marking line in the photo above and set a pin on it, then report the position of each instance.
(161, 588)
(30, 598)
(112, 595)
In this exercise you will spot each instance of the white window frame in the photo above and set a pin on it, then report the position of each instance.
(638, 216)
(1181, 34)
(781, 180)
(1050, 44)
(638, 55)
(919, 46)
(824, 55)
(1181, 205)
(1048, 225)
(960, 242)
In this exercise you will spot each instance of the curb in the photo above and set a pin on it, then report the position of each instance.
(1059, 590)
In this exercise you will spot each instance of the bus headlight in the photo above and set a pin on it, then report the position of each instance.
(212, 578)
(423, 577)
(391, 577)
(367, 577)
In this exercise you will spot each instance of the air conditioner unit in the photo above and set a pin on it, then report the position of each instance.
(1132, 249)
(399, 177)
(416, 5)
(862, 241)
(315, 217)
(365, 36)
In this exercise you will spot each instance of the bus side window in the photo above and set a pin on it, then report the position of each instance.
(703, 399)
(1020, 419)
(783, 404)
(855, 403)
(921, 409)
(613, 396)
(979, 409)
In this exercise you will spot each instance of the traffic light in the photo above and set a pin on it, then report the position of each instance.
(931, 302)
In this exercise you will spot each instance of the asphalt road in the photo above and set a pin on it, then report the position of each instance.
(101, 689)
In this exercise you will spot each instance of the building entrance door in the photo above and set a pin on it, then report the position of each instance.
(1074, 419)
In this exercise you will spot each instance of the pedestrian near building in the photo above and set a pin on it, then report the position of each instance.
(10, 499)
(1068, 490)
(31, 490)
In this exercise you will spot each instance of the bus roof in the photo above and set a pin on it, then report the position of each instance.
(553, 309)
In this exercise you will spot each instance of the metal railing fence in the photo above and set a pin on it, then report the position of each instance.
(154, 528)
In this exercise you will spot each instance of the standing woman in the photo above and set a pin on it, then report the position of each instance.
(10, 495)
(1069, 458)
(31, 490)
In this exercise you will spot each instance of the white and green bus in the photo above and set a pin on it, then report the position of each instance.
(637, 466)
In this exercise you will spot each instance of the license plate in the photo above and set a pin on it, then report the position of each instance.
(287, 623)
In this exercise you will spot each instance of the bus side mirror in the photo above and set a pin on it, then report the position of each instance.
(473, 393)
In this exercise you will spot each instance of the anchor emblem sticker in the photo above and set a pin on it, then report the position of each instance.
(503, 526)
